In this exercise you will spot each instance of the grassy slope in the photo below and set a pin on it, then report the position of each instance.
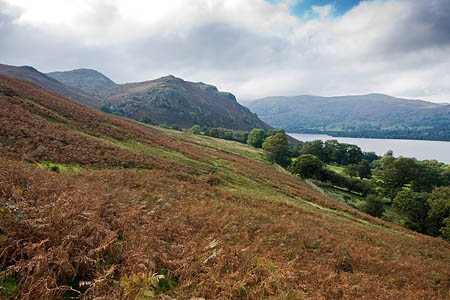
(135, 199)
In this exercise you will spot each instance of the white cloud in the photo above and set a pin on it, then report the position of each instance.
(323, 11)
(249, 47)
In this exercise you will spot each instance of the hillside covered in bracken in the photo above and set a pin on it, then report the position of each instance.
(94, 206)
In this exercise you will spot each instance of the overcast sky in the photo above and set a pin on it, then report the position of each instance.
(252, 48)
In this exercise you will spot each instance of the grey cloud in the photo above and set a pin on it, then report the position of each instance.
(248, 63)
(427, 26)
(212, 45)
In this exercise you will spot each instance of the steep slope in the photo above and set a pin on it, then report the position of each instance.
(373, 115)
(41, 79)
(89, 81)
(92, 205)
(175, 101)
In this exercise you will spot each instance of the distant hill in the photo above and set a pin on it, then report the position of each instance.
(372, 115)
(175, 101)
(89, 81)
(41, 79)
(168, 99)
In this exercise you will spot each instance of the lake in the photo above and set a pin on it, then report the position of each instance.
(421, 150)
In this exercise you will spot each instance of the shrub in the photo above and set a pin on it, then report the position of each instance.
(195, 129)
(256, 137)
(307, 166)
(373, 206)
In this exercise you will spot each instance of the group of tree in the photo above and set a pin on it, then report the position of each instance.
(332, 151)
(222, 133)
(300, 161)
(227, 134)
(417, 190)
(172, 126)
(427, 213)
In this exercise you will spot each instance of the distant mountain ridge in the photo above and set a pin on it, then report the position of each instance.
(89, 81)
(31, 74)
(169, 99)
(175, 101)
(372, 115)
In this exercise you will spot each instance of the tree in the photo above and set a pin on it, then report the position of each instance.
(327, 175)
(370, 156)
(414, 207)
(332, 151)
(373, 206)
(275, 131)
(361, 186)
(256, 137)
(214, 132)
(353, 154)
(195, 129)
(295, 150)
(307, 166)
(228, 135)
(439, 214)
(427, 177)
(147, 120)
(175, 127)
(277, 148)
(364, 170)
(445, 230)
(396, 174)
(314, 148)
(351, 170)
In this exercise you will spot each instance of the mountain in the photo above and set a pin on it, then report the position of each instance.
(373, 115)
(41, 79)
(168, 99)
(175, 101)
(98, 206)
(89, 81)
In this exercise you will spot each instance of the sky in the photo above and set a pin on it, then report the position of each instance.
(252, 48)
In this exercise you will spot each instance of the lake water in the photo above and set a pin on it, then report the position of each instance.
(421, 150)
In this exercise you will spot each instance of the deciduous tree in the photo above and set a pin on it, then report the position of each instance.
(307, 166)
(256, 137)
(277, 148)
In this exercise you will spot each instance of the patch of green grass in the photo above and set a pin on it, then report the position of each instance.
(243, 186)
(165, 284)
(344, 197)
(171, 156)
(44, 112)
(57, 167)
(8, 286)
(234, 147)
(221, 163)
(337, 169)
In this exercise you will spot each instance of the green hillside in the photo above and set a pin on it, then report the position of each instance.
(373, 116)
